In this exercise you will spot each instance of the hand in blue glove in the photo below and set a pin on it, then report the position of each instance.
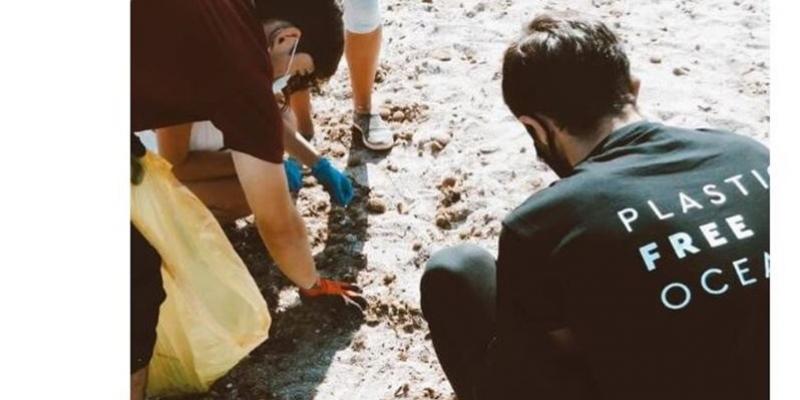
(334, 181)
(294, 175)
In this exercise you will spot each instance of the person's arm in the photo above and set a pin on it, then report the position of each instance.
(277, 219)
(300, 103)
(188, 166)
(534, 350)
(295, 144)
(334, 181)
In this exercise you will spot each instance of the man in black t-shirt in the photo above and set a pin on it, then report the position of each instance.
(642, 274)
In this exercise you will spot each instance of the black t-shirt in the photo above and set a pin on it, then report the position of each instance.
(655, 254)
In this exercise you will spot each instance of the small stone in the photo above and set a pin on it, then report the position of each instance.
(416, 246)
(442, 221)
(441, 55)
(388, 279)
(402, 391)
(385, 112)
(376, 206)
(442, 138)
(449, 181)
(398, 116)
(402, 208)
(655, 60)
(406, 135)
(680, 71)
(488, 149)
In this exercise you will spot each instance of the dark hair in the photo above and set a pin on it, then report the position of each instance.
(572, 71)
(322, 27)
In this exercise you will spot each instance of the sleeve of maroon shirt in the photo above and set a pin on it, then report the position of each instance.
(252, 124)
(250, 119)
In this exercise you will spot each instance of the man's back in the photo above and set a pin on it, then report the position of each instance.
(655, 253)
(197, 60)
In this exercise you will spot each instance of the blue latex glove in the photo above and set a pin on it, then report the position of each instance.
(294, 175)
(334, 181)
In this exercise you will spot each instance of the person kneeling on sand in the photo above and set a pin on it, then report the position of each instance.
(197, 60)
(643, 273)
(304, 51)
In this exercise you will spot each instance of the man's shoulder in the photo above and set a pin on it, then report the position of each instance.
(715, 136)
(553, 206)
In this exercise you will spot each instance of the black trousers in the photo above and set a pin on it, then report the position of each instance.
(147, 294)
(458, 292)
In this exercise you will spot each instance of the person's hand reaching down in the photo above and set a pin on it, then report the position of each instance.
(336, 183)
(351, 294)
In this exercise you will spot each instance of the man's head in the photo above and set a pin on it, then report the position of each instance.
(565, 77)
(317, 24)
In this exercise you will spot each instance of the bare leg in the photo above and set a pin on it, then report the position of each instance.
(362, 51)
(139, 384)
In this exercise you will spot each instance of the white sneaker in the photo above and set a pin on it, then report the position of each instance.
(375, 134)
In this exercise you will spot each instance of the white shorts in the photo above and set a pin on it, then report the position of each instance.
(205, 136)
(361, 16)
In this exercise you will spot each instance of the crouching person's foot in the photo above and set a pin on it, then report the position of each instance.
(375, 133)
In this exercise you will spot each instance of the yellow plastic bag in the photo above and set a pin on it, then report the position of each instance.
(214, 314)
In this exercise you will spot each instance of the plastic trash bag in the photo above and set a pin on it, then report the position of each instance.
(214, 314)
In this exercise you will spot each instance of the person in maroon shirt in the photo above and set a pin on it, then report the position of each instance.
(196, 60)
(306, 46)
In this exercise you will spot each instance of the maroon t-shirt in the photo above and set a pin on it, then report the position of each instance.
(196, 60)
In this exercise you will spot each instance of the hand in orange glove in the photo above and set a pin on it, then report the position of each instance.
(351, 294)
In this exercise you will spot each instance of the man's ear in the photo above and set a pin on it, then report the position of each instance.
(636, 84)
(534, 125)
(284, 39)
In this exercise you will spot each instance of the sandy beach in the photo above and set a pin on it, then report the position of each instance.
(461, 163)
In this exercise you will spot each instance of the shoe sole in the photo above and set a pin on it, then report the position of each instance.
(370, 145)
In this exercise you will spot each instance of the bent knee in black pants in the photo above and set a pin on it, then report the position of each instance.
(458, 292)
(147, 294)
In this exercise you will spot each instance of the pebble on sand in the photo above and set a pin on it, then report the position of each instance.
(376, 206)
(680, 71)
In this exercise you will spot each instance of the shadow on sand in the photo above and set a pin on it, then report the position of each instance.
(305, 336)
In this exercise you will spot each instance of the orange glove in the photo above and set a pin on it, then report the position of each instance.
(351, 294)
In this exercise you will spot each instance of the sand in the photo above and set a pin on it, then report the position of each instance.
(462, 163)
